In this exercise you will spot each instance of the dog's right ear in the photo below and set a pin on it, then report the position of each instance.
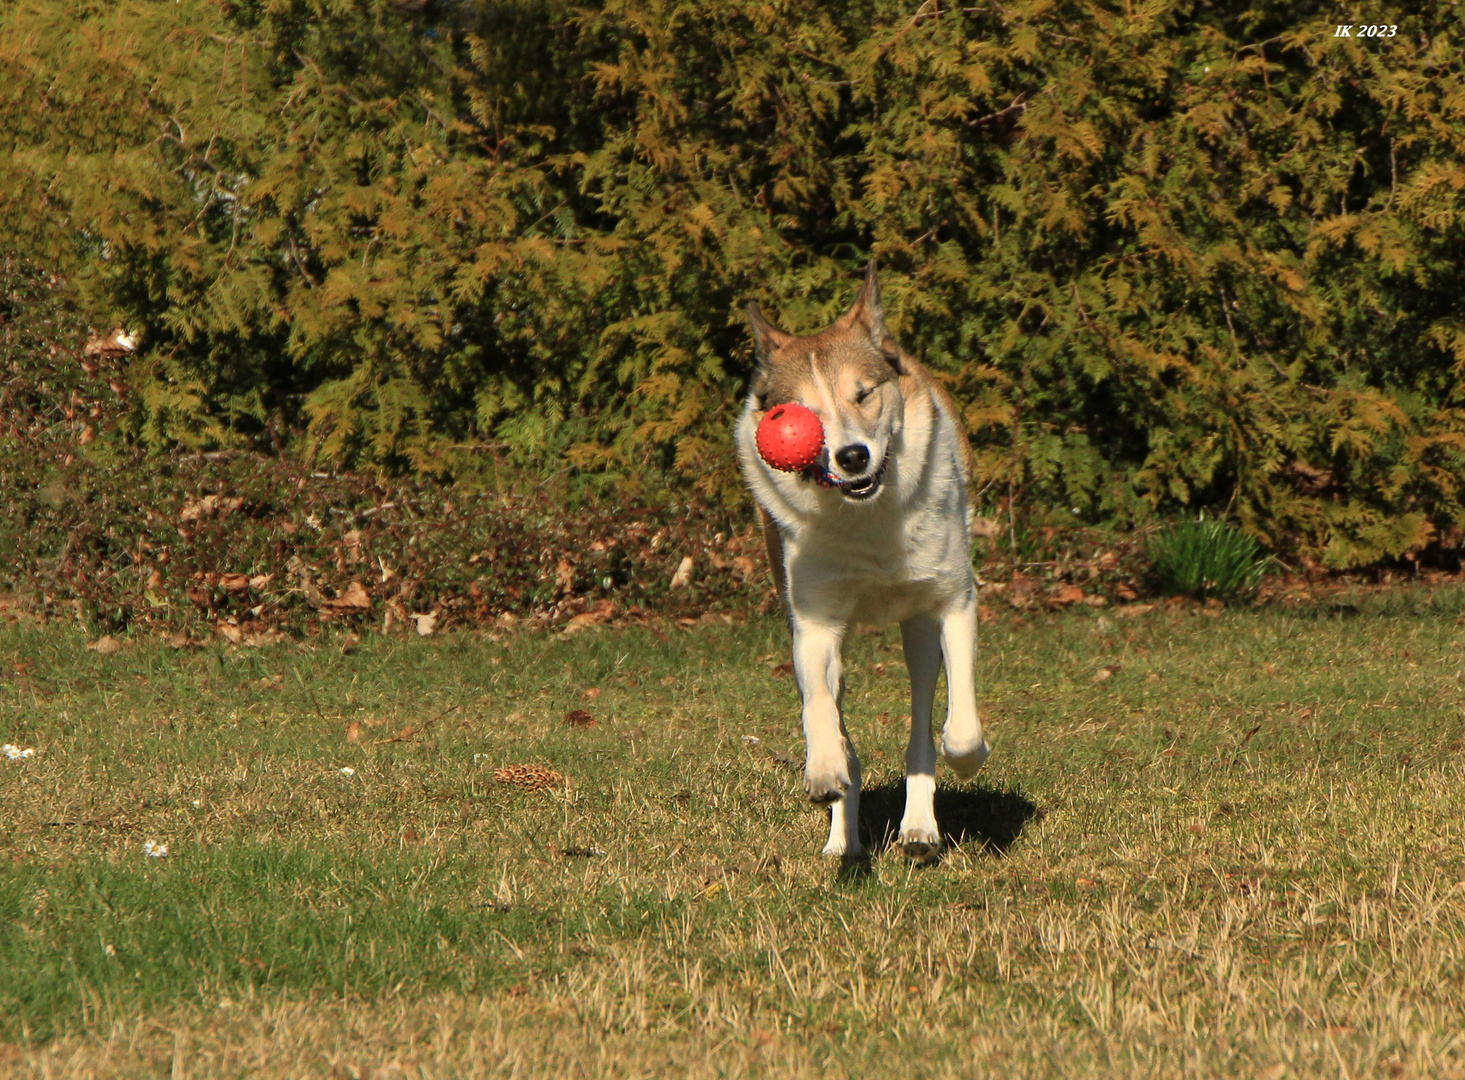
(767, 338)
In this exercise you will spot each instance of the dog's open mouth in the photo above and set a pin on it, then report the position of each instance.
(855, 490)
(864, 488)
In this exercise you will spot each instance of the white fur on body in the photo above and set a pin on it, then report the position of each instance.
(901, 556)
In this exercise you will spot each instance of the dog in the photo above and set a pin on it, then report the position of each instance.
(875, 531)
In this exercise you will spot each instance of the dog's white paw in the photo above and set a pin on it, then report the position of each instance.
(920, 842)
(826, 785)
(965, 756)
(826, 776)
(839, 846)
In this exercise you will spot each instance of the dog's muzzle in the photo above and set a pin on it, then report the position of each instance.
(856, 490)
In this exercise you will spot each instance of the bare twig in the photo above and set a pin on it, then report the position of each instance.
(915, 20)
(309, 280)
(412, 731)
(211, 455)
(1226, 311)
(1019, 104)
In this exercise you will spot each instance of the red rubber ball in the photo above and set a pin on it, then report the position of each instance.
(790, 437)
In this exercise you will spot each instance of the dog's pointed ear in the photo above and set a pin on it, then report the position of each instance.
(868, 315)
(767, 338)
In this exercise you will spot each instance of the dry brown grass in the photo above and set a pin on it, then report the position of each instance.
(1245, 860)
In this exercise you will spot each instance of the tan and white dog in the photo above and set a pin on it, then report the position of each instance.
(875, 532)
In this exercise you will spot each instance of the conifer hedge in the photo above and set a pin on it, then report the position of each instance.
(1168, 253)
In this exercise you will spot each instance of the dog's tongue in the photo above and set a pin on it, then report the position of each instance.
(790, 437)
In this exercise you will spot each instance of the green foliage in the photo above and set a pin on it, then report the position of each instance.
(1206, 557)
(1169, 255)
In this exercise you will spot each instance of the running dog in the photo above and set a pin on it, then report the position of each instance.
(875, 531)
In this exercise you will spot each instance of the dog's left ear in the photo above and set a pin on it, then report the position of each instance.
(868, 315)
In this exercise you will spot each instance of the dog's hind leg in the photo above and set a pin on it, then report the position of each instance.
(919, 835)
(962, 739)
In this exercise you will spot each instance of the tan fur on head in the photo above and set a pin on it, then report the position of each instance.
(857, 349)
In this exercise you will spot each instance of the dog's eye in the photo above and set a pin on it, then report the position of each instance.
(862, 393)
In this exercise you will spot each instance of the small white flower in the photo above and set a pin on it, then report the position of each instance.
(154, 850)
(197, 802)
(478, 759)
(751, 740)
(348, 771)
(16, 753)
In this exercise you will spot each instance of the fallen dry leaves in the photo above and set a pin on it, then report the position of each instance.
(353, 599)
(602, 613)
(237, 635)
(209, 506)
(1064, 595)
(532, 777)
(106, 645)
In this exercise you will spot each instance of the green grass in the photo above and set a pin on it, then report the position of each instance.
(1206, 558)
(1237, 852)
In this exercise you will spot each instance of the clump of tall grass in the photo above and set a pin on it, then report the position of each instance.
(1205, 558)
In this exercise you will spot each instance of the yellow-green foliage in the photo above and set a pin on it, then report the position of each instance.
(1170, 254)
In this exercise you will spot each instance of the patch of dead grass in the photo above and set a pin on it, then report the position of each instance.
(1248, 865)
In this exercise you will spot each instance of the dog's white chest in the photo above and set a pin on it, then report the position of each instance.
(878, 568)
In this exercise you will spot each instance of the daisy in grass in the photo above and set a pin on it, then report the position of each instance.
(16, 753)
(154, 850)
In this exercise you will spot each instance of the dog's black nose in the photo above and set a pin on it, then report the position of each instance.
(853, 458)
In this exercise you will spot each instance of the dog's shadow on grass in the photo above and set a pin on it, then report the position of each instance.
(992, 819)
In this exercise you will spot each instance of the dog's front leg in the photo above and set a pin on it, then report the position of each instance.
(962, 740)
(831, 769)
(844, 812)
(919, 836)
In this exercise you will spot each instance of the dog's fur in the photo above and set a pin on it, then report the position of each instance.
(848, 553)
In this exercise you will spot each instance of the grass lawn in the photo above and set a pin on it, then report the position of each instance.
(1205, 845)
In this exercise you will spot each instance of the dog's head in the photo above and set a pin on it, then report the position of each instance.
(848, 374)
